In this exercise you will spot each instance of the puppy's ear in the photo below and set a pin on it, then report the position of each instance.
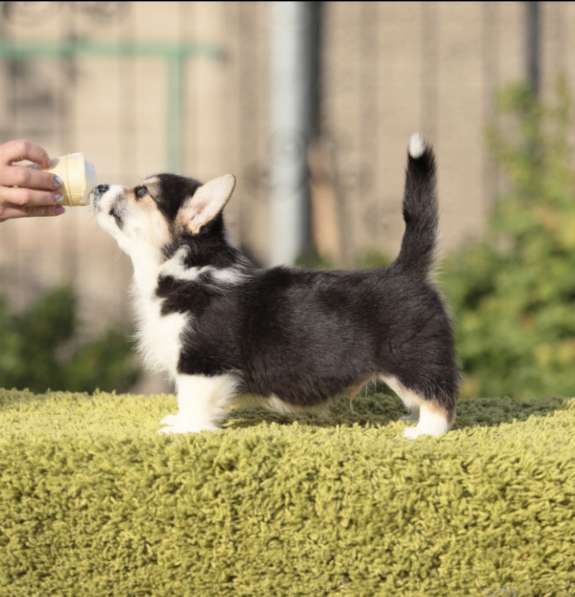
(206, 203)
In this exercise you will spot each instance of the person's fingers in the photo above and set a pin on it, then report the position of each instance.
(29, 197)
(8, 212)
(21, 149)
(28, 178)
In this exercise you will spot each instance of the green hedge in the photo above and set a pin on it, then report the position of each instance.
(42, 347)
(95, 502)
(512, 293)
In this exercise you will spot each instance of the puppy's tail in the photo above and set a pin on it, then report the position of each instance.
(419, 209)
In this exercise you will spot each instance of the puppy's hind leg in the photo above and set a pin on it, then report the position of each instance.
(202, 403)
(409, 398)
(434, 417)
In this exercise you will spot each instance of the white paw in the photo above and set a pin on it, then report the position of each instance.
(418, 431)
(412, 432)
(184, 427)
(175, 429)
(169, 420)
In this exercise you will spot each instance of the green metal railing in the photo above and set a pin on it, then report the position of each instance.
(174, 54)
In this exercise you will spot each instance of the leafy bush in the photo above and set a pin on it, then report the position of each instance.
(513, 293)
(39, 350)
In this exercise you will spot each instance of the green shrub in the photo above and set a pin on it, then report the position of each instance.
(39, 349)
(512, 294)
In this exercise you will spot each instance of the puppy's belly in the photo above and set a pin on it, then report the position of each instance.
(295, 392)
(275, 404)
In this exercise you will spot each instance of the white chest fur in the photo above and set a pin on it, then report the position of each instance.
(159, 336)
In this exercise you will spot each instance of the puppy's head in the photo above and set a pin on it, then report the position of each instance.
(153, 214)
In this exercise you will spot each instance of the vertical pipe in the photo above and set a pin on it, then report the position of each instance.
(533, 47)
(490, 60)
(175, 116)
(533, 74)
(290, 119)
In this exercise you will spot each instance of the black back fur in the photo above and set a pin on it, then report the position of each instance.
(306, 336)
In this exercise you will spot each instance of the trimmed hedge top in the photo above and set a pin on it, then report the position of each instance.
(94, 501)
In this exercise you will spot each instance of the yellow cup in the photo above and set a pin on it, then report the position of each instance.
(78, 177)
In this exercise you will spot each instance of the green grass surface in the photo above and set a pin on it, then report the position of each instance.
(94, 502)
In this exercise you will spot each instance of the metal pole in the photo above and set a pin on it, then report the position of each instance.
(291, 114)
(533, 67)
(176, 113)
(533, 47)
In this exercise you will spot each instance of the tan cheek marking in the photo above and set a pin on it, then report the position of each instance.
(145, 203)
(149, 204)
(162, 225)
(158, 221)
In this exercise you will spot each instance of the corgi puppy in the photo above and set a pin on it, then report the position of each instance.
(221, 327)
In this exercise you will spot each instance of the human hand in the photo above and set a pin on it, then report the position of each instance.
(26, 191)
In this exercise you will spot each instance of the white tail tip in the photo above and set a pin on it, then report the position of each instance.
(416, 145)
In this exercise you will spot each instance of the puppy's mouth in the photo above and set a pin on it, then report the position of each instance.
(106, 199)
(93, 200)
(115, 213)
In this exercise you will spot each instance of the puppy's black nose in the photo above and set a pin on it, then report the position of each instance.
(96, 194)
(101, 189)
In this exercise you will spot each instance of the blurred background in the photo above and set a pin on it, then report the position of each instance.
(311, 106)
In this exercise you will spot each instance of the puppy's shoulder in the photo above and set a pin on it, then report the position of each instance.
(284, 277)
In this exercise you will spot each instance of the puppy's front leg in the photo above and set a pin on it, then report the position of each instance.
(202, 403)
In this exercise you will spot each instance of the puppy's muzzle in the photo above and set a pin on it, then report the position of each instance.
(97, 192)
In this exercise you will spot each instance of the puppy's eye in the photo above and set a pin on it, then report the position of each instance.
(140, 192)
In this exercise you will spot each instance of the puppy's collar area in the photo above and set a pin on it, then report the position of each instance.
(178, 268)
(215, 252)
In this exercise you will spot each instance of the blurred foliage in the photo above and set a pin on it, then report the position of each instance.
(513, 293)
(40, 350)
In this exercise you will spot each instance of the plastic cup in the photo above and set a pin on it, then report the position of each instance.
(78, 178)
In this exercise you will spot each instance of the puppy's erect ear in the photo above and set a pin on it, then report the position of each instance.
(206, 203)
